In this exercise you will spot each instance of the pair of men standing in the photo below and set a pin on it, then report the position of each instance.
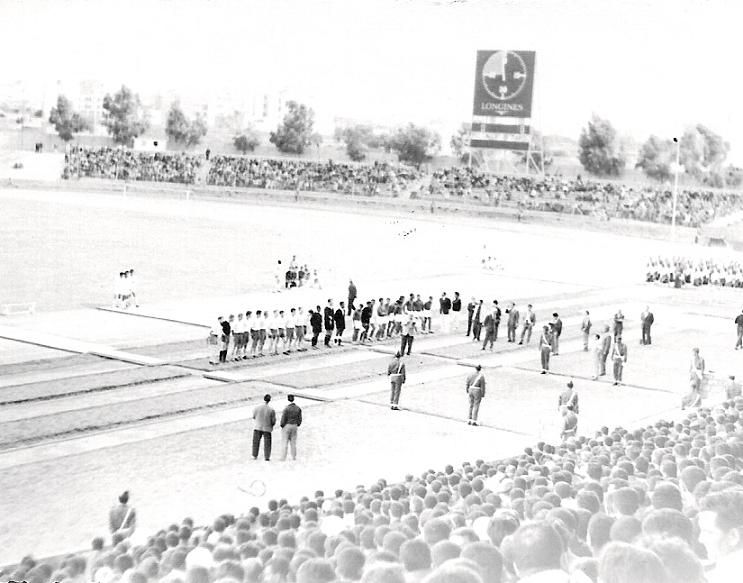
(264, 417)
(475, 387)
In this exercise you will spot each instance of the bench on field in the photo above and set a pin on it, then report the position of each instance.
(17, 309)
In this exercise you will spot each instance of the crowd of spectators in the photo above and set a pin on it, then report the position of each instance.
(367, 179)
(679, 271)
(605, 200)
(658, 504)
(553, 193)
(125, 164)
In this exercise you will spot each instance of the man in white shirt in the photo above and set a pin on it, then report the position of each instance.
(300, 323)
(255, 332)
(272, 331)
(263, 332)
(289, 328)
(237, 336)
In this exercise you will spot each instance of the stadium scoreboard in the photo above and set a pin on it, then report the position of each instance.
(504, 84)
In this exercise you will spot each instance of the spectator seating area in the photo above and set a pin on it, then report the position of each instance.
(697, 272)
(374, 179)
(125, 164)
(604, 200)
(621, 506)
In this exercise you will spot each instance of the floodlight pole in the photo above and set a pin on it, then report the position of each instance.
(675, 188)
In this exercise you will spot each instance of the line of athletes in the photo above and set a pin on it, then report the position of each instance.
(248, 336)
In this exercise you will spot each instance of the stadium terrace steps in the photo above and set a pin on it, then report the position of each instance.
(90, 383)
(71, 345)
(144, 431)
(60, 425)
(97, 398)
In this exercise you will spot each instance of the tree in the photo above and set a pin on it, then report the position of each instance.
(415, 144)
(460, 142)
(66, 121)
(196, 130)
(177, 126)
(656, 158)
(599, 149)
(702, 152)
(181, 130)
(125, 117)
(295, 133)
(247, 141)
(357, 139)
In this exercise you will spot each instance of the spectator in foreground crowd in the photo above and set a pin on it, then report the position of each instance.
(122, 519)
(639, 505)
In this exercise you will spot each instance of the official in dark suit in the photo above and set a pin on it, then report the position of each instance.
(477, 322)
(646, 319)
(328, 321)
(316, 324)
(339, 319)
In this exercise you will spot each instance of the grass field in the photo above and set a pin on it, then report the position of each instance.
(180, 441)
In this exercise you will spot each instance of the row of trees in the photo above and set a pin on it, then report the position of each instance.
(701, 154)
(126, 119)
(601, 151)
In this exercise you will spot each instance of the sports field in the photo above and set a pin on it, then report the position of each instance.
(93, 402)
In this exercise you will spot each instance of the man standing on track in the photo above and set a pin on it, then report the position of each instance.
(316, 325)
(545, 348)
(291, 419)
(739, 329)
(470, 315)
(213, 341)
(618, 323)
(396, 372)
(496, 317)
(444, 309)
(599, 358)
(328, 322)
(556, 331)
(427, 314)
(475, 388)
(456, 308)
(530, 319)
(490, 330)
(513, 322)
(585, 328)
(646, 320)
(408, 332)
(264, 420)
(225, 338)
(619, 358)
(351, 296)
(339, 319)
(605, 349)
(477, 322)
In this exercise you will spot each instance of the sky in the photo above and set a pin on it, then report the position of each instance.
(648, 66)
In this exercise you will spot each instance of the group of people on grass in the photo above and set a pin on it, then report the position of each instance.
(679, 271)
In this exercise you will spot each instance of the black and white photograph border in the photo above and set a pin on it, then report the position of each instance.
(385, 291)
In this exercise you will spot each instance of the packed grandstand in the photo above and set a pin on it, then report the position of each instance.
(604, 200)
(645, 505)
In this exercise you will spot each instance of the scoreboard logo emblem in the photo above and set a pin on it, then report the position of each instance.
(504, 75)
